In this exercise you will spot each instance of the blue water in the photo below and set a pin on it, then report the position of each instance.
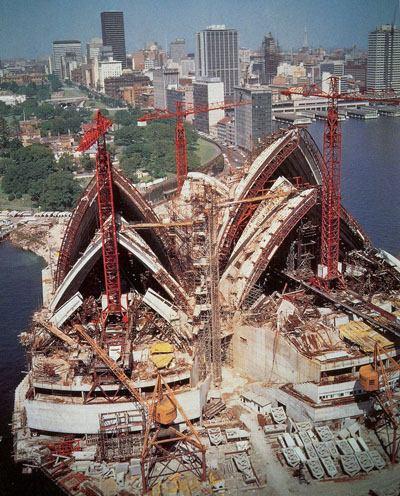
(370, 189)
(371, 176)
(20, 296)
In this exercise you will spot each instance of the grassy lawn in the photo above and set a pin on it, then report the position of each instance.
(23, 203)
(206, 150)
(72, 91)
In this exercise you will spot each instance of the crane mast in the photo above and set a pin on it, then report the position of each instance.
(180, 148)
(331, 204)
(114, 313)
(329, 271)
(181, 160)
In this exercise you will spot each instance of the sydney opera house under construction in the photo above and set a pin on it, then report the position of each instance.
(219, 318)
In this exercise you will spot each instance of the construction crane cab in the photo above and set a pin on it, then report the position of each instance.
(369, 378)
(374, 376)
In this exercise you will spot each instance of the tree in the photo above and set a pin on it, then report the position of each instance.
(66, 162)
(5, 163)
(151, 148)
(31, 166)
(126, 117)
(60, 191)
(87, 163)
(55, 83)
(4, 135)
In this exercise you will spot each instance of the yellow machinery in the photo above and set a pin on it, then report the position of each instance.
(369, 378)
(162, 443)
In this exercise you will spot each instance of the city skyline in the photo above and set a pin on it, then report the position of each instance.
(26, 32)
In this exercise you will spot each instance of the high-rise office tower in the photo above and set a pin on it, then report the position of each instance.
(177, 50)
(217, 55)
(93, 49)
(206, 92)
(113, 33)
(62, 50)
(253, 121)
(270, 52)
(162, 79)
(383, 69)
(334, 67)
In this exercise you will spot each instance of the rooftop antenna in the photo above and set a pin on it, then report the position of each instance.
(305, 39)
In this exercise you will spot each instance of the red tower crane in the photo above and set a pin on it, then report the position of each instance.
(95, 133)
(180, 133)
(329, 273)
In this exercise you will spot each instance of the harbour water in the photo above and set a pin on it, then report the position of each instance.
(370, 186)
(371, 176)
(20, 296)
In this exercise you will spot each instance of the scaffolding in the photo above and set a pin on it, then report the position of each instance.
(119, 439)
(207, 314)
(214, 290)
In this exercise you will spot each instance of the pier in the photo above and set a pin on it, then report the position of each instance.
(362, 113)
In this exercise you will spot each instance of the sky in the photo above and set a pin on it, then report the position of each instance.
(28, 27)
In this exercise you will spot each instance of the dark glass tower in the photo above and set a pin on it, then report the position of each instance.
(270, 51)
(113, 33)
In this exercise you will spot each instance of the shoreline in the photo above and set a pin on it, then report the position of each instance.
(44, 240)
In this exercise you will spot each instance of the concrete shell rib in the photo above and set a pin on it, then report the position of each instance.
(245, 186)
(83, 224)
(135, 245)
(252, 260)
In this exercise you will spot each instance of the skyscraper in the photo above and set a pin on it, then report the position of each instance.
(63, 50)
(93, 49)
(113, 33)
(270, 52)
(217, 55)
(383, 70)
(162, 79)
(207, 91)
(177, 50)
(253, 121)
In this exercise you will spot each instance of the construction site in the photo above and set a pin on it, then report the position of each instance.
(239, 336)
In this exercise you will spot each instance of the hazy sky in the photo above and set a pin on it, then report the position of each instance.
(27, 27)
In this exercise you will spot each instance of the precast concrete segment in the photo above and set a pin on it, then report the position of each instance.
(194, 178)
(379, 462)
(135, 245)
(365, 461)
(350, 465)
(83, 222)
(237, 281)
(315, 468)
(267, 162)
(329, 466)
(260, 217)
(291, 457)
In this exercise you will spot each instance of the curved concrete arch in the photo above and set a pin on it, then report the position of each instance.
(262, 168)
(239, 277)
(137, 247)
(84, 221)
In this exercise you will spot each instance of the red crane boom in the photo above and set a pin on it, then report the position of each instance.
(96, 133)
(329, 270)
(180, 133)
